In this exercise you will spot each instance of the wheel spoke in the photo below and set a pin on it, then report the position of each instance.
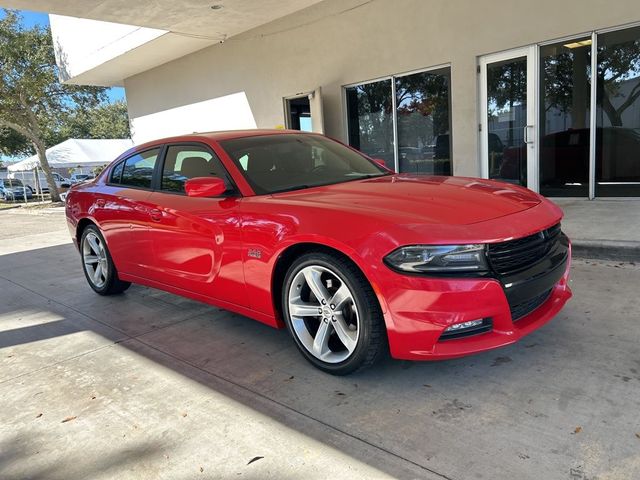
(97, 274)
(91, 259)
(312, 276)
(304, 310)
(341, 295)
(321, 340)
(348, 337)
(93, 243)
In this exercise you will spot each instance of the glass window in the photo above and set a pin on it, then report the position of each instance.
(506, 120)
(618, 113)
(138, 169)
(370, 114)
(565, 87)
(116, 173)
(183, 162)
(276, 163)
(423, 120)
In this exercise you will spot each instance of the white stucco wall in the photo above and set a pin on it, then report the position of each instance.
(339, 42)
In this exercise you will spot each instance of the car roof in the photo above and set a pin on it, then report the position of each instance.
(218, 136)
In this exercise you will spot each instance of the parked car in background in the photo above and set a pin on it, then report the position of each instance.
(81, 177)
(14, 189)
(29, 179)
(301, 232)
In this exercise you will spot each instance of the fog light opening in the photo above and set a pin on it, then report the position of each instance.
(465, 329)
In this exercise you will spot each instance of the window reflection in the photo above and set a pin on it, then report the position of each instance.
(618, 113)
(565, 79)
(424, 141)
(369, 108)
(507, 118)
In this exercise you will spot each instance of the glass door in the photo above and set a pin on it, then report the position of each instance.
(617, 123)
(507, 124)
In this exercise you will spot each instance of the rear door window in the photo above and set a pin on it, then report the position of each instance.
(138, 169)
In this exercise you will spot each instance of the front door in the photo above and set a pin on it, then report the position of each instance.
(196, 241)
(507, 122)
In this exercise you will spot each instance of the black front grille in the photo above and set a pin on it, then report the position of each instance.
(515, 255)
(525, 308)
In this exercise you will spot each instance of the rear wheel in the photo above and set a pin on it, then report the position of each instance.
(332, 313)
(98, 265)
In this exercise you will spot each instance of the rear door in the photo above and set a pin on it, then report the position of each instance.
(196, 241)
(122, 211)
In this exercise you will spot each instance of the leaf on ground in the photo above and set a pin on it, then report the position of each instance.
(184, 414)
(254, 459)
(638, 435)
(201, 469)
(289, 379)
(39, 415)
(426, 385)
(69, 419)
(577, 430)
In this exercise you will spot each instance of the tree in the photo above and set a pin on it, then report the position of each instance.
(108, 120)
(33, 102)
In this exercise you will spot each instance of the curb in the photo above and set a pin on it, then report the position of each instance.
(616, 250)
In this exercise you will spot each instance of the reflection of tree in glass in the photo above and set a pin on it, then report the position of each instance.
(506, 88)
(421, 97)
(374, 113)
(567, 80)
(618, 64)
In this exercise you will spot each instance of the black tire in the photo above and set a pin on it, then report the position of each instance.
(112, 284)
(372, 340)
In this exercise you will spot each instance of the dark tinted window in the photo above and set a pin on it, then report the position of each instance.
(116, 173)
(138, 169)
(183, 162)
(423, 122)
(273, 163)
(370, 112)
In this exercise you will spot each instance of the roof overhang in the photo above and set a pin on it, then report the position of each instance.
(102, 42)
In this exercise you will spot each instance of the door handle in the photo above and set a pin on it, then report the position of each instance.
(528, 138)
(100, 202)
(155, 214)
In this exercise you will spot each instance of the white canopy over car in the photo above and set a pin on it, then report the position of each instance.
(75, 152)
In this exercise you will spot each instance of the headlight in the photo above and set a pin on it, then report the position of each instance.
(439, 258)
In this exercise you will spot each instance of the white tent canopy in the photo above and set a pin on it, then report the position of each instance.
(77, 153)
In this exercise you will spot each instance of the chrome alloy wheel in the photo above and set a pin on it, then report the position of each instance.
(95, 260)
(323, 314)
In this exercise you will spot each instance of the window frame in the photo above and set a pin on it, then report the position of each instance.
(233, 190)
(394, 107)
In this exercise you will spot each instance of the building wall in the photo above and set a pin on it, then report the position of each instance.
(340, 42)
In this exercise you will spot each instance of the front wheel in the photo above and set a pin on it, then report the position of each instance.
(332, 313)
(98, 265)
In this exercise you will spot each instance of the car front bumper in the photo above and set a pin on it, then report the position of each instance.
(420, 309)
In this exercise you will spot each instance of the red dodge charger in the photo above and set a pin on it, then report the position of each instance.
(301, 231)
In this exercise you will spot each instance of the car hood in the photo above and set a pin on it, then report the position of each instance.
(421, 199)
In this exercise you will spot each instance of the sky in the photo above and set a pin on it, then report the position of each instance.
(29, 19)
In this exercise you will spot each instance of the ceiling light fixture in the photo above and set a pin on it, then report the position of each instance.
(581, 43)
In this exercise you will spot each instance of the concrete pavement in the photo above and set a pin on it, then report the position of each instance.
(150, 385)
(606, 228)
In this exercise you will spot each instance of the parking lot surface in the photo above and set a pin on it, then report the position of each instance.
(150, 385)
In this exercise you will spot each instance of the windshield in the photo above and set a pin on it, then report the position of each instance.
(277, 163)
(12, 182)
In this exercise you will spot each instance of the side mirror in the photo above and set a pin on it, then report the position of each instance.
(205, 187)
(382, 163)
